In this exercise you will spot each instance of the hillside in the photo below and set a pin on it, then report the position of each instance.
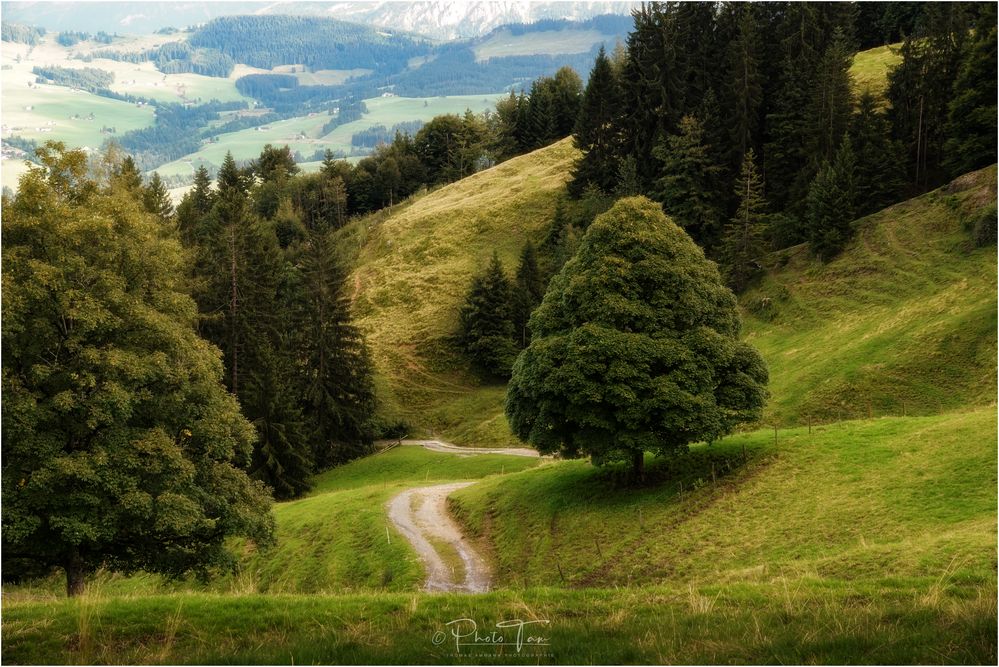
(904, 321)
(413, 265)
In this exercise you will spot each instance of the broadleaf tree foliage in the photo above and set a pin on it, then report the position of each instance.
(122, 448)
(634, 348)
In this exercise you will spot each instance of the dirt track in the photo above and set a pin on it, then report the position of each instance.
(421, 515)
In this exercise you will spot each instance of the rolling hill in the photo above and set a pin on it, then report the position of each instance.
(903, 322)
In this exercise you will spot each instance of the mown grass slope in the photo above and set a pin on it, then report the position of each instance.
(892, 497)
(902, 322)
(413, 267)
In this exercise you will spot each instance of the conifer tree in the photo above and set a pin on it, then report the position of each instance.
(486, 321)
(971, 120)
(688, 185)
(832, 100)
(567, 92)
(528, 291)
(880, 171)
(745, 89)
(541, 114)
(336, 366)
(595, 132)
(831, 204)
(128, 176)
(280, 459)
(743, 244)
(156, 199)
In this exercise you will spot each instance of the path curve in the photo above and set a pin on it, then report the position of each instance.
(448, 448)
(420, 514)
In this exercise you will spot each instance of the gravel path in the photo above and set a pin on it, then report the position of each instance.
(421, 515)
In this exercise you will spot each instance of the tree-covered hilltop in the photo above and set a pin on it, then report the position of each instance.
(317, 43)
(21, 34)
(700, 89)
(173, 58)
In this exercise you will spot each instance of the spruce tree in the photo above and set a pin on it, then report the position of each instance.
(156, 199)
(486, 321)
(745, 83)
(595, 132)
(528, 291)
(880, 171)
(831, 204)
(336, 367)
(688, 185)
(743, 245)
(971, 120)
(567, 92)
(280, 458)
(832, 100)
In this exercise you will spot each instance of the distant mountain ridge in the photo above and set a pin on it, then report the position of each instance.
(464, 20)
(441, 20)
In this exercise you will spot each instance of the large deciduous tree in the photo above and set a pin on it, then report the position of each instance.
(634, 348)
(122, 448)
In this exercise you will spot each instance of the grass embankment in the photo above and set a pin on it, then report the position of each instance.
(902, 322)
(413, 267)
(892, 497)
(885, 622)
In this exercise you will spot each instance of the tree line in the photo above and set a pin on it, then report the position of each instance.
(742, 121)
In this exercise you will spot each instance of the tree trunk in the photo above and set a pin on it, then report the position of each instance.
(638, 465)
(74, 574)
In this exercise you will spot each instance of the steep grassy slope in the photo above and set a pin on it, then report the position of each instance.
(413, 269)
(903, 322)
(892, 497)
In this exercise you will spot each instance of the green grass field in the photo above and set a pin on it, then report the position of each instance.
(894, 621)
(903, 322)
(867, 542)
(503, 44)
(901, 497)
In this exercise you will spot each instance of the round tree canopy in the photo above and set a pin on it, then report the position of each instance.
(635, 347)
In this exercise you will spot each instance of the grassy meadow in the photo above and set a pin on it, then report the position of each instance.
(869, 541)
(870, 69)
(504, 44)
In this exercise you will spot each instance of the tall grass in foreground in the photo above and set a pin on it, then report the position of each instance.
(885, 621)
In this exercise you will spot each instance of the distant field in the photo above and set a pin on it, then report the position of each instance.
(303, 132)
(503, 44)
(322, 77)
